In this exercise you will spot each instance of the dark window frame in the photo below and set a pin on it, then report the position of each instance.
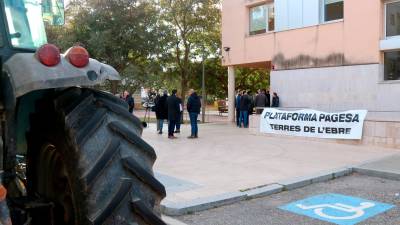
(339, 5)
(386, 4)
(389, 75)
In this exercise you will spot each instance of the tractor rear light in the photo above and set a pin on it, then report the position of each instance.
(78, 56)
(49, 55)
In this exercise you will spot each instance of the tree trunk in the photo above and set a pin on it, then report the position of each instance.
(114, 86)
(183, 89)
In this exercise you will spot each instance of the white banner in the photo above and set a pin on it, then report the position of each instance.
(312, 123)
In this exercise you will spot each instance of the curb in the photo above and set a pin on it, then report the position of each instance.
(201, 204)
(377, 173)
(264, 191)
(316, 178)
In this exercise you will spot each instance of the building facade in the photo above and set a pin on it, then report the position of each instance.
(329, 55)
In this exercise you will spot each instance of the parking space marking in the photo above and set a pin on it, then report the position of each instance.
(337, 209)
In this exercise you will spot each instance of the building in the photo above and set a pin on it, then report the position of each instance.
(329, 55)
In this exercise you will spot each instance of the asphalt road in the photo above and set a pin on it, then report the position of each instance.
(265, 211)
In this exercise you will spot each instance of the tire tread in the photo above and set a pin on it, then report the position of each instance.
(134, 167)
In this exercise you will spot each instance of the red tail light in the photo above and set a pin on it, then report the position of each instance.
(78, 56)
(49, 55)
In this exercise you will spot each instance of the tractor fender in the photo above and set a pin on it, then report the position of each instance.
(28, 74)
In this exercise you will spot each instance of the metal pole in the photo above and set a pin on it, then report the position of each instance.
(203, 94)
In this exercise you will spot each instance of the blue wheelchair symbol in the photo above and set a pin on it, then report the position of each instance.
(337, 209)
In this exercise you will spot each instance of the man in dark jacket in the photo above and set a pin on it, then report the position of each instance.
(173, 113)
(268, 98)
(131, 102)
(237, 107)
(275, 100)
(161, 111)
(193, 107)
(251, 106)
(245, 103)
(260, 102)
(180, 116)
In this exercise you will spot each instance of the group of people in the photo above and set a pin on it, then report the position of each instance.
(171, 108)
(246, 102)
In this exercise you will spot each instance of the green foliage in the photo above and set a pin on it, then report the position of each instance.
(252, 79)
(193, 34)
(216, 78)
(123, 33)
(157, 44)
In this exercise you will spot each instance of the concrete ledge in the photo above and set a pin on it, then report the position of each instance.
(264, 191)
(201, 204)
(315, 178)
(322, 177)
(295, 183)
(378, 173)
(341, 172)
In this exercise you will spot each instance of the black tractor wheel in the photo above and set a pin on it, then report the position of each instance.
(86, 157)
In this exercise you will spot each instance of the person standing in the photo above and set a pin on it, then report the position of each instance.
(275, 100)
(153, 109)
(260, 102)
(244, 109)
(131, 102)
(268, 99)
(237, 106)
(173, 113)
(180, 116)
(193, 108)
(251, 105)
(161, 111)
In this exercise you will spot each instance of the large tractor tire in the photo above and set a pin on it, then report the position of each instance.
(86, 157)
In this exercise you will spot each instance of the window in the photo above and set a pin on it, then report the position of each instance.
(392, 19)
(47, 6)
(262, 18)
(392, 65)
(25, 23)
(271, 18)
(333, 10)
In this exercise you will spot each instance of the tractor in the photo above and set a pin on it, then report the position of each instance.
(70, 154)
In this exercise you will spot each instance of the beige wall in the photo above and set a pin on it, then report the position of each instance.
(355, 40)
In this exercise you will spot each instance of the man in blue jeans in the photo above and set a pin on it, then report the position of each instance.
(193, 107)
(245, 103)
(237, 106)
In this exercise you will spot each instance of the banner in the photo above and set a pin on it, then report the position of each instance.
(311, 123)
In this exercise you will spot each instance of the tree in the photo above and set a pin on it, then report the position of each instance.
(193, 33)
(123, 33)
(252, 79)
(216, 78)
(154, 43)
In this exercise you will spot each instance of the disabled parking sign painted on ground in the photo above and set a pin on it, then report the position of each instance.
(337, 209)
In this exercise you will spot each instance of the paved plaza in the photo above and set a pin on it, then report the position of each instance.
(227, 159)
